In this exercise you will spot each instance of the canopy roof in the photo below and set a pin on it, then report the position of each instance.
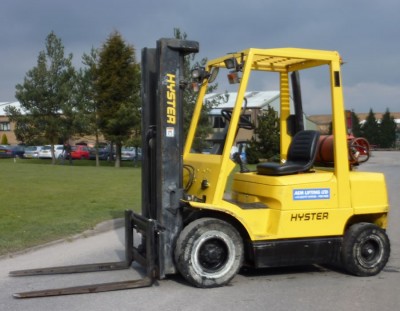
(281, 59)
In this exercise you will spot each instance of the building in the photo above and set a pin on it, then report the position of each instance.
(6, 127)
(256, 102)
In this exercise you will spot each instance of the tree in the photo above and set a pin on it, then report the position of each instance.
(46, 97)
(355, 125)
(370, 129)
(387, 130)
(266, 142)
(117, 88)
(204, 128)
(330, 128)
(86, 97)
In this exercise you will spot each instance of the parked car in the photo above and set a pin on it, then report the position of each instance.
(45, 152)
(131, 153)
(79, 152)
(128, 153)
(32, 152)
(5, 151)
(92, 153)
(12, 151)
(104, 153)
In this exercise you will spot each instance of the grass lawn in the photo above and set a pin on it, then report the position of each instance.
(42, 202)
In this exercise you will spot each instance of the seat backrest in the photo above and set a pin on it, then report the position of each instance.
(303, 146)
(301, 156)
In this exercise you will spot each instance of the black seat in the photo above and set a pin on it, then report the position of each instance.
(301, 156)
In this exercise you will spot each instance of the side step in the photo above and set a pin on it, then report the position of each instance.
(133, 222)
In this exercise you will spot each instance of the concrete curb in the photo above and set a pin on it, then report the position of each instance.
(99, 228)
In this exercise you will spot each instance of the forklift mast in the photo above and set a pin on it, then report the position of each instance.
(163, 140)
(160, 221)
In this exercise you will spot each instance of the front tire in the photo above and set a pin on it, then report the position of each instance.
(209, 252)
(365, 250)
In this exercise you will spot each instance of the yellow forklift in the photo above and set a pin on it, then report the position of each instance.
(288, 213)
(293, 211)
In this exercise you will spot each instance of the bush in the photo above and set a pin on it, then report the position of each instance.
(252, 155)
(4, 140)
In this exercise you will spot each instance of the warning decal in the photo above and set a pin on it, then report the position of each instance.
(170, 132)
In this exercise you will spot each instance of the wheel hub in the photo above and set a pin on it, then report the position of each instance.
(213, 254)
(370, 252)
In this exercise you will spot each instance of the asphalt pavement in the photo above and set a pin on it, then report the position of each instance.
(299, 288)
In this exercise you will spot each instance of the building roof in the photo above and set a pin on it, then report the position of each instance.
(3, 105)
(255, 99)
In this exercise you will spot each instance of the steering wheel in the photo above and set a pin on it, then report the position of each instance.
(359, 150)
(244, 123)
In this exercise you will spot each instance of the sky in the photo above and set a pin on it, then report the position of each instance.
(366, 33)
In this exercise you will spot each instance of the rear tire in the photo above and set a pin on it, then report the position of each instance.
(365, 250)
(209, 252)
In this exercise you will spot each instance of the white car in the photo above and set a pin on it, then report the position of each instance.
(32, 152)
(129, 153)
(45, 153)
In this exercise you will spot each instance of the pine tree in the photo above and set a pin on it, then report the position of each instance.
(266, 143)
(355, 125)
(370, 129)
(387, 130)
(86, 98)
(117, 89)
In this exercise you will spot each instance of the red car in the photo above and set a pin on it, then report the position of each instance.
(79, 152)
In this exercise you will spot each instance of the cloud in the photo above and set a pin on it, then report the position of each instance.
(365, 33)
(363, 96)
